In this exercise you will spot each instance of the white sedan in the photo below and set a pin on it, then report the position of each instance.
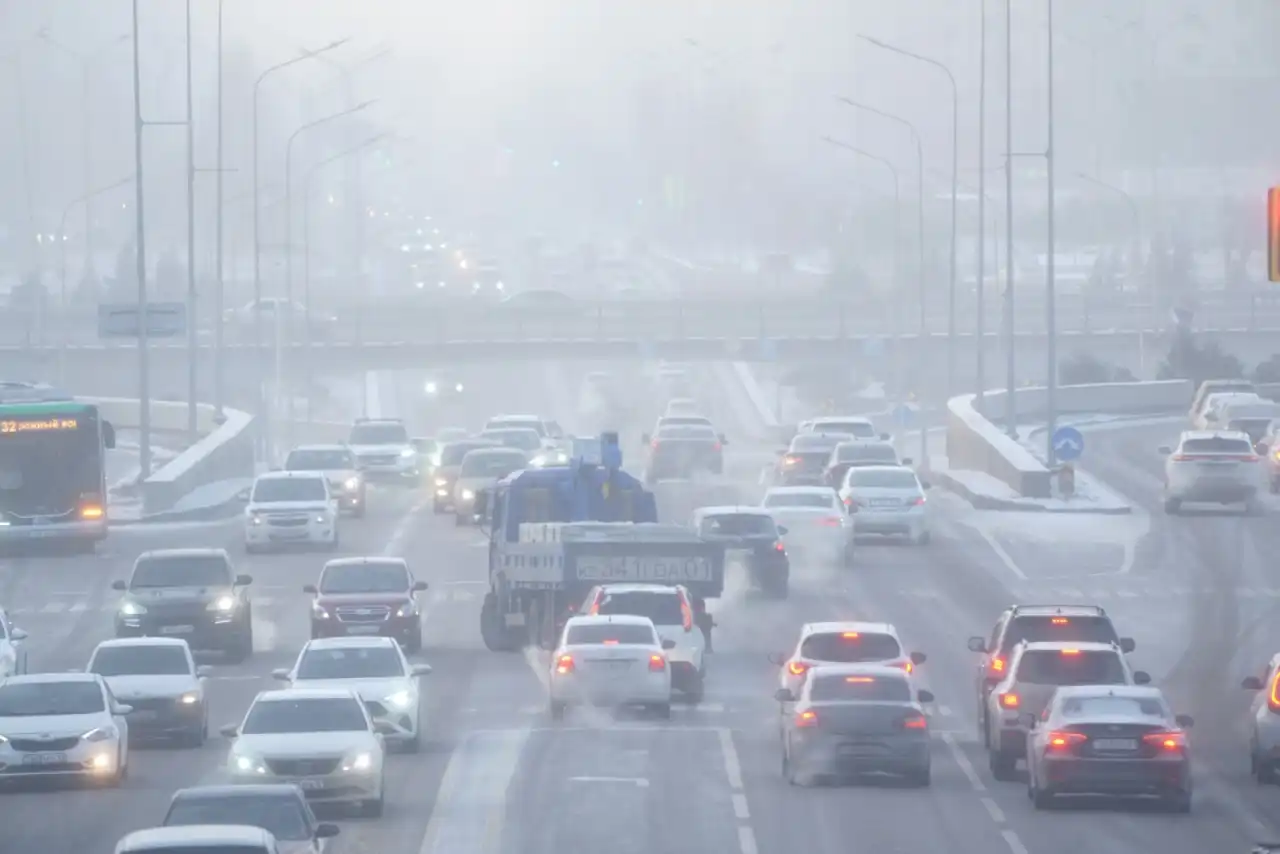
(323, 740)
(886, 500)
(815, 519)
(376, 669)
(62, 725)
(616, 660)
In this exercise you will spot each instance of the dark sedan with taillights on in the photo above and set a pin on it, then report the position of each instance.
(682, 451)
(365, 596)
(804, 462)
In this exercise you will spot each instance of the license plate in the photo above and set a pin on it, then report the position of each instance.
(884, 502)
(1115, 744)
(177, 630)
(859, 749)
(362, 630)
(311, 785)
(44, 759)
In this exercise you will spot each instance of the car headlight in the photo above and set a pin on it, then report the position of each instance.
(222, 603)
(431, 388)
(321, 518)
(400, 700)
(406, 453)
(319, 612)
(3, 740)
(190, 698)
(255, 519)
(132, 609)
(468, 494)
(352, 483)
(246, 764)
(358, 762)
(408, 609)
(440, 481)
(102, 733)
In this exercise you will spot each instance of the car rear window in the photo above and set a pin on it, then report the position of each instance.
(857, 429)
(818, 441)
(1049, 628)
(807, 460)
(663, 608)
(739, 525)
(609, 633)
(801, 499)
(1216, 445)
(866, 453)
(1064, 667)
(1105, 707)
(850, 647)
(854, 688)
(883, 479)
(454, 451)
(686, 431)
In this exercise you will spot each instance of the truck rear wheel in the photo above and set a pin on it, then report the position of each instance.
(496, 636)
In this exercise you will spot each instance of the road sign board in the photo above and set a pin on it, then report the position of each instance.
(121, 320)
(1068, 443)
(904, 415)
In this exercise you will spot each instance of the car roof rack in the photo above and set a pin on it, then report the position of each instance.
(1058, 608)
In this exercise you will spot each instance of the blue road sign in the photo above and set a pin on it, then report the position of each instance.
(1068, 444)
(904, 415)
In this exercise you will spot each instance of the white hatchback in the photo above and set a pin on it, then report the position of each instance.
(62, 725)
(610, 661)
(843, 643)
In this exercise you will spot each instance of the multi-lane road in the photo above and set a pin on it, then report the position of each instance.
(498, 776)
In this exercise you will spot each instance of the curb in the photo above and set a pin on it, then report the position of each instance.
(1012, 505)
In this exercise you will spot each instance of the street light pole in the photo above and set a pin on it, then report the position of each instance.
(193, 338)
(1010, 404)
(981, 331)
(219, 370)
(922, 340)
(1051, 291)
(955, 168)
(144, 367)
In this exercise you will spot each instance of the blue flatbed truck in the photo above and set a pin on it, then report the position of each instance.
(557, 531)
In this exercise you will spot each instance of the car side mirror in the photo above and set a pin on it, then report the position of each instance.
(119, 585)
(310, 588)
(230, 731)
(108, 435)
(18, 634)
(420, 670)
(119, 709)
(244, 495)
(1141, 677)
(1165, 449)
(1184, 721)
(1251, 683)
(419, 586)
(782, 529)
(203, 671)
(1028, 720)
(1128, 645)
(977, 644)
(777, 658)
(327, 831)
(924, 696)
(668, 644)
(886, 437)
(243, 580)
(918, 658)
(280, 673)
(784, 695)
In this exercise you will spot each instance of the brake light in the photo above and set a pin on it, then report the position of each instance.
(1060, 621)
(918, 501)
(915, 722)
(1009, 701)
(1273, 698)
(859, 680)
(790, 461)
(830, 521)
(1071, 652)
(564, 664)
(716, 447)
(610, 642)
(91, 511)
(806, 719)
(595, 608)
(997, 665)
(779, 547)
(657, 663)
(797, 668)
(851, 505)
(1172, 741)
(654, 444)
(1064, 741)
(850, 635)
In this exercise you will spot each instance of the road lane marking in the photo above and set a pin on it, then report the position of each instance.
(638, 782)
(1004, 556)
(740, 809)
(963, 761)
(470, 803)
(993, 809)
(1015, 844)
(732, 766)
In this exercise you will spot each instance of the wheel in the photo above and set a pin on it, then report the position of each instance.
(357, 512)
(557, 710)
(252, 549)
(437, 508)
(1002, 765)
(195, 738)
(1172, 506)
(788, 773)
(1264, 772)
(1179, 803)
(922, 539)
(663, 711)
(333, 544)
(373, 809)
(241, 648)
(415, 642)
(921, 776)
(414, 744)
(694, 693)
(459, 520)
(1040, 798)
(122, 770)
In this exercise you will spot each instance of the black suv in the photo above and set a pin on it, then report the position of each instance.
(193, 594)
(750, 537)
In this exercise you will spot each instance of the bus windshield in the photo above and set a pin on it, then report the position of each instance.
(49, 462)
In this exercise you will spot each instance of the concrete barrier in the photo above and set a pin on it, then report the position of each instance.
(974, 443)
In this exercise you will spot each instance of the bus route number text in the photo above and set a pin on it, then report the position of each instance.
(46, 425)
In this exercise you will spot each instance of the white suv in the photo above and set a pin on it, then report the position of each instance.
(1215, 467)
(291, 508)
(384, 450)
(671, 609)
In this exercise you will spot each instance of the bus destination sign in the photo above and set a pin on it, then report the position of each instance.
(10, 426)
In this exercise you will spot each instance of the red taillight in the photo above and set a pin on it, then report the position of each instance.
(686, 615)
(657, 663)
(595, 609)
(1273, 698)
(564, 664)
(790, 461)
(1064, 741)
(997, 666)
(1009, 701)
(806, 719)
(1071, 652)
(1171, 741)
(1060, 621)
(654, 444)
(779, 547)
(797, 668)
(917, 501)
(915, 722)
(716, 447)
(830, 521)
(91, 511)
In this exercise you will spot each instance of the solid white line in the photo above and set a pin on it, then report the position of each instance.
(963, 761)
(639, 782)
(1015, 844)
(732, 767)
(993, 809)
(747, 840)
(1004, 556)
(740, 810)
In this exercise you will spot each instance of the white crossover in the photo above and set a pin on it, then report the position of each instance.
(384, 451)
(322, 739)
(616, 660)
(482, 469)
(376, 669)
(338, 464)
(62, 725)
(671, 609)
(290, 508)
(161, 682)
(847, 642)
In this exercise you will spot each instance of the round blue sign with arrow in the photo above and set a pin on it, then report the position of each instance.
(1068, 444)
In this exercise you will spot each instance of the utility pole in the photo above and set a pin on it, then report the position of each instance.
(219, 370)
(1051, 298)
(981, 331)
(1011, 406)
(193, 338)
(144, 384)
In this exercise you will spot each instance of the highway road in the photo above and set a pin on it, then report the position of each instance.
(498, 776)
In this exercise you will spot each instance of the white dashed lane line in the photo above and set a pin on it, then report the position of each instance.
(975, 781)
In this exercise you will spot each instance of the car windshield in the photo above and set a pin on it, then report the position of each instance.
(313, 714)
(663, 608)
(856, 429)
(140, 660)
(884, 479)
(365, 577)
(37, 699)
(193, 570)
(525, 440)
(826, 500)
(216, 848)
(1106, 706)
(281, 815)
(1051, 628)
(490, 463)
(379, 433)
(850, 647)
(866, 452)
(609, 633)
(454, 452)
(272, 489)
(1217, 445)
(533, 424)
(1064, 667)
(335, 459)
(818, 441)
(686, 431)
(739, 525)
(362, 662)
(677, 420)
(854, 688)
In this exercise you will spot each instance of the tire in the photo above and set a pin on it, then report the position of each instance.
(1172, 506)
(437, 508)
(195, 739)
(697, 690)
(251, 549)
(1264, 773)
(788, 773)
(241, 649)
(334, 544)
(414, 744)
(375, 808)
(1003, 765)
(1179, 803)
(1041, 799)
(357, 512)
(122, 771)
(663, 711)
(459, 521)
(923, 538)
(415, 642)
(556, 709)
(921, 777)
